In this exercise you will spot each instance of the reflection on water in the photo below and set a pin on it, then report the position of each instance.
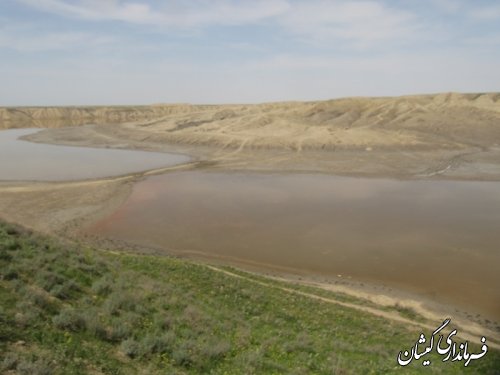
(22, 160)
(440, 238)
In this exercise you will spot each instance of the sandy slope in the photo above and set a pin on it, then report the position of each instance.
(421, 122)
(415, 122)
(445, 135)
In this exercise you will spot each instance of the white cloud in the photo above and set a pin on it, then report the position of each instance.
(329, 48)
(488, 40)
(358, 21)
(96, 10)
(26, 38)
(448, 6)
(49, 42)
(177, 13)
(491, 12)
(284, 77)
(361, 22)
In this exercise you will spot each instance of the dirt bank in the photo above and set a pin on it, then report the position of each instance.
(432, 136)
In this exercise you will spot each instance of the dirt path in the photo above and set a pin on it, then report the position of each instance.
(393, 316)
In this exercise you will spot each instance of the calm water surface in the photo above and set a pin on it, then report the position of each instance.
(22, 160)
(438, 238)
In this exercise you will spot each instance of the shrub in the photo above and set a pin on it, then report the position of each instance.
(163, 322)
(36, 367)
(9, 362)
(182, 357)
(23, 320)
(120, 301)
(406, 311)
(27, 317)
(38, 299)
(130, 319)
(302, 343)
(12, 231)
(13, 244)
(103, 286)
(118, 332)
(216, 350)
(93, 325)
(88, 268)
(5, 256)
(10, 273)
(48, 280)
(157, 343)
(64, 291)
(69, 319)
(130, 348)
(251, 361)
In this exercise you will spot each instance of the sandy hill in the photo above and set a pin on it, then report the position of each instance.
(411, 122)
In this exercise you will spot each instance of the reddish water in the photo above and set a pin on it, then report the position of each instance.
(438, 238)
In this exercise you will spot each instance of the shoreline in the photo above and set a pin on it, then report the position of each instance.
(67, 218)
(471, 163)
(381, 297)
(385, 296)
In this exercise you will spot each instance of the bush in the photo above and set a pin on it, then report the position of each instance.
(216, 350)
(27, 317)
(69, 319)
(9, 362)
(302, 343)
(118, 332)
(13, 244)
(23, 320)
(37, 367)
(10, 273)
(102, 287)
(5, 256)
(157, 343)
(38, 299)
(163, 322)
(130, 348)
(93, 325)
(120, 301)
(182, 357)
(48, 280)
(65, 290)
(12, 231)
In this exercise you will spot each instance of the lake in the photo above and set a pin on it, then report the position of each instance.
(27, 161)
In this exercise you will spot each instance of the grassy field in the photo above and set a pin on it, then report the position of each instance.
(70, 309)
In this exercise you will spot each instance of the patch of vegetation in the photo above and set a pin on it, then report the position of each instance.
(403, 311)
(65, 309)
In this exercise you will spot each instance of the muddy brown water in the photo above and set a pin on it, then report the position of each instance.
(27, 161)
(437, 238)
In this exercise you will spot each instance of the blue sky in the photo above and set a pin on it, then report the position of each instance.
(81, 52)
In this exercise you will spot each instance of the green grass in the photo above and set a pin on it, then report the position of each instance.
(66, 309)
(403, 311)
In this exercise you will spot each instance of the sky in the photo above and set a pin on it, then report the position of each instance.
(106, 52)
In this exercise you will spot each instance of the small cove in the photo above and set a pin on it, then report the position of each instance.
(27, 161)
